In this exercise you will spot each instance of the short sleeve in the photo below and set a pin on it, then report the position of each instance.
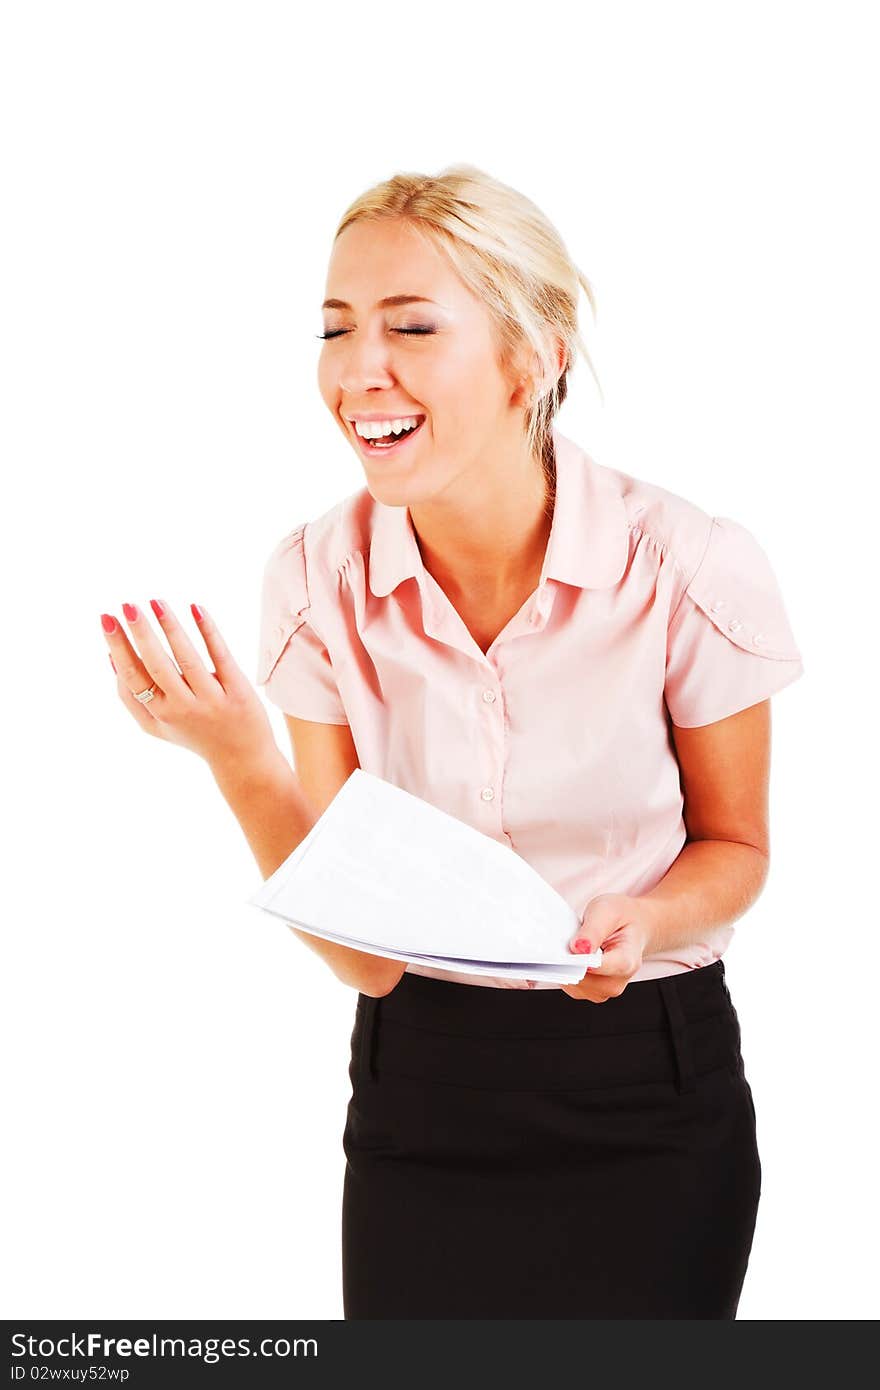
(729, 643)
(293, 665)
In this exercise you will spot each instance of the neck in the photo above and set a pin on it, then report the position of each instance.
(489, 533)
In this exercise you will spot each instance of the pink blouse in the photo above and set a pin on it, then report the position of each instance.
(556, 742)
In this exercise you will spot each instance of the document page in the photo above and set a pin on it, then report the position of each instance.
(386, 872)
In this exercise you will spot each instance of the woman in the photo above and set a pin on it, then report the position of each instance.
(576, 662)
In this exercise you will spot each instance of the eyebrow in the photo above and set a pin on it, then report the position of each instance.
(383, 303)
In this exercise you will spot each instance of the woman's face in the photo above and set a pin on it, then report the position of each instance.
(436, 360)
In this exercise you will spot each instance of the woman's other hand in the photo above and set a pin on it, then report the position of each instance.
(216, 714)
(619, 926)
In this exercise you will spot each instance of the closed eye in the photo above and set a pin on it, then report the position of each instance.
(340, 331)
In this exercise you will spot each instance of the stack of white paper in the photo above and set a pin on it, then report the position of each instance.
(388, 873)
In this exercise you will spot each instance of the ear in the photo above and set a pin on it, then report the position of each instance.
(530, 380)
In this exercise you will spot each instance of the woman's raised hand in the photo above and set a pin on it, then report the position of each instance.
(216, 714)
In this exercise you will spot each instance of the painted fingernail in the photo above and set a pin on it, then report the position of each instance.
(583, 947)
(198, 612)
(108, 622)
(158, 607)
(130, 611)
(112, 662)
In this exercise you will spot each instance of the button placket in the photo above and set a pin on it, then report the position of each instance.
(489, 697)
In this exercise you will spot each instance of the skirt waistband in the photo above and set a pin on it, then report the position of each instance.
(676, 1027)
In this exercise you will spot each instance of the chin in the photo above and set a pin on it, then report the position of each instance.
(391, 494)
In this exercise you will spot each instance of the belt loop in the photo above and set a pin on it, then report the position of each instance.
(367, 1065)
(678, 1029)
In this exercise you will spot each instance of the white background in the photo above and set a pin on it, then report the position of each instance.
(175, 1062)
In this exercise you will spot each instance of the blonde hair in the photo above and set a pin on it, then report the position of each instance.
(508, 253)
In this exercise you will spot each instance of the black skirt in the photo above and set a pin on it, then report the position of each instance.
(521, 1154)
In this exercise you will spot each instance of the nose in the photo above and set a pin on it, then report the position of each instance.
(363, 364)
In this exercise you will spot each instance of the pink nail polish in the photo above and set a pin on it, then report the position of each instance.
(108, 622)
(197, 612)
(158, 607)
(130, 611)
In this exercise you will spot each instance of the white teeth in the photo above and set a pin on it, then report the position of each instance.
(378, 429)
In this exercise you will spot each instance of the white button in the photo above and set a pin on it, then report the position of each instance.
(487, 793)
(735, 625)
(759, 639)
(488, 696)
(718, 605)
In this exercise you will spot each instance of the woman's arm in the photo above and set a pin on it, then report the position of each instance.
(275, 813)
(722, 869)
(219, 716)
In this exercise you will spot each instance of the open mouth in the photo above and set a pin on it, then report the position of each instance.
(389, 443)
